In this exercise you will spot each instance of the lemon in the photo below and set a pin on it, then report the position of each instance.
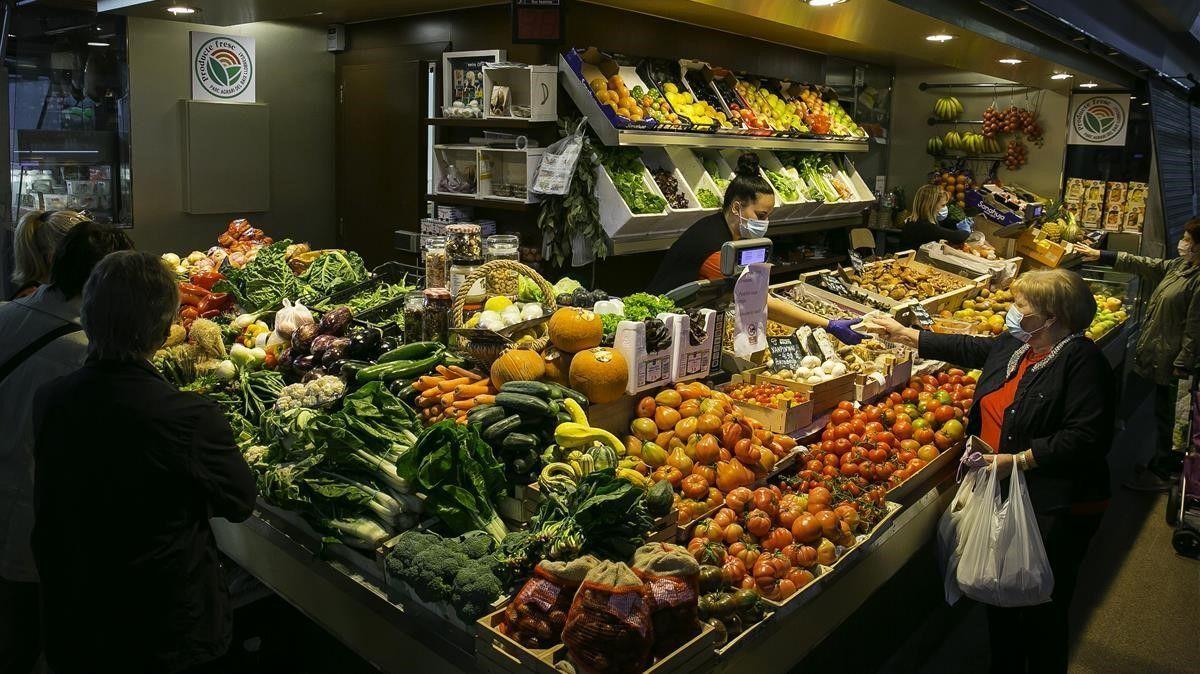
(498, 303)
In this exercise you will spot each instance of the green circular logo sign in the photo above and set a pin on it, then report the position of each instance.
(1098, 119)
(223, 67)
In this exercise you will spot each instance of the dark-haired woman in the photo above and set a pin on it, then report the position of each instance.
(745, 214)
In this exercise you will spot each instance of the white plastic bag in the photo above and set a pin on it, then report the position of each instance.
(951, 534)
(1003, 561)
(558, 164)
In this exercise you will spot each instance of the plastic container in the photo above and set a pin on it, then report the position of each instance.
(501, 247)
(414, 315)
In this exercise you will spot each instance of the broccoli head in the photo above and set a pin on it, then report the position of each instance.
(431, 573)
(476, 544)
(475, 587)
(409, 544)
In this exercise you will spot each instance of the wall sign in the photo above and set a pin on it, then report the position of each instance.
(223, 67)
(537, 21)
(1098, 119)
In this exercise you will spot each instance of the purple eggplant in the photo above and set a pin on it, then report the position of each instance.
(321, 343)
(335, 321)
(303, 337)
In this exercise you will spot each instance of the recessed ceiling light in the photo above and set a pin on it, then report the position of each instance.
(180, 10)
(1133, 98)
(1011, 62)
(1088, 85)
(1061, 76)
(1145, 102)
(939, 37)
(98, 44)
(824, 3)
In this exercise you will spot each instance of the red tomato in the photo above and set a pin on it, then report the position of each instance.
(842, 430)
(903, 430)
(878, 455)
(841, 446)
(839, 416)
(885, 437)
(874, 427)
(906, 456)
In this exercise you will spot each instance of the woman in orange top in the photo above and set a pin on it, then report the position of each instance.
(1045, 400)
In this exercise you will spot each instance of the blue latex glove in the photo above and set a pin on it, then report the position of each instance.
(964, 225)
(841, 329)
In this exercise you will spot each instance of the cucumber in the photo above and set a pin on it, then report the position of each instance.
(568, 392)
(496, 432)
(519, 442)
(486, 415)
(532, 388)
(413, 351)
(562, 417)
(520, 402)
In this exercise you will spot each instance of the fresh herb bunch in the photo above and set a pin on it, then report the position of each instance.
(332, 271)
(624, 166)
(783, 184)
(576, 213)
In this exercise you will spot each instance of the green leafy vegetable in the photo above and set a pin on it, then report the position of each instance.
(707, 199)
(624, 166)
(333, 270)
(575, 214)
(264, 281)
(604, 515)
(783, 184)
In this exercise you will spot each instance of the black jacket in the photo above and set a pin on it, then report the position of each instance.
(914, 234)
(128, 471)
(1063, 411)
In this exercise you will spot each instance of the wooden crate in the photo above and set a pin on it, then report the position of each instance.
(440, 617)
(802, 596)
(521, 505)
(495, 652)
(778, 421)
(950, 300)
(779, 290)
(900, 374)
(859, 548)
(868, 389)
(919, 480)
(614, 417)
(743, 639)
(823, 396)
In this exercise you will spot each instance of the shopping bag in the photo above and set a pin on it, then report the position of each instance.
(558, 164)
(1003, 561)
(951, 533)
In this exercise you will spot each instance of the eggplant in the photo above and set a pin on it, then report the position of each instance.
(335, 321)
(363, 340)
(304, 364)
(303, 337)
(386, 344)
(315, 373)
(335, 351)
(321, 343)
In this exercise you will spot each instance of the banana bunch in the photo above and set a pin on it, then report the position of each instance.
(973, 143)
(952, 141)
(936, 146)
(947, 108)
(991, 145)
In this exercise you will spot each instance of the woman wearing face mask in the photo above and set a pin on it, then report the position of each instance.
(1045, 401)
(749, 201)
(928, 221)
(1168, 348)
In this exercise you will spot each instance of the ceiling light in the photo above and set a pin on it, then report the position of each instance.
(180, 10)
(824, 3)
(1061, 76)
(98, 44)
(1133, 98)
(939, 37)
(1011, 62)
(1145, 102)
(1088, 85)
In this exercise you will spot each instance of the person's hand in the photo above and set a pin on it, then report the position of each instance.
(965, 225)
(889, 329)
(1001, 462)
(1089, 254)
(842, 329)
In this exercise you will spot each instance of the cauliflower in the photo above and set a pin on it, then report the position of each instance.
(316, 393)
(291, 397)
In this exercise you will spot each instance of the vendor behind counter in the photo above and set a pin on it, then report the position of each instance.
(930, 213)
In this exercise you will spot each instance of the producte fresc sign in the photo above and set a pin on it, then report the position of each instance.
(1098, 119)
(222, 67)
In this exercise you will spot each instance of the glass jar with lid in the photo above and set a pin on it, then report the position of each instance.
(464, 242)
(437, 262)
(435, 323)
(414, 316)
(459, 271)
(501, 247)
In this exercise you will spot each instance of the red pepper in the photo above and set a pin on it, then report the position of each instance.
(207, 279)
(211, 313)
(189, 313)
(216, 302)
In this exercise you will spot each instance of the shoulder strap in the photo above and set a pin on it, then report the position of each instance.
(36, 345)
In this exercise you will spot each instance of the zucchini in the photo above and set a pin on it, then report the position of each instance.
(568, 392)
(532, 388)
(413, 351)
(495, 433)
(486, 415)
(522, 442)
(520, 402)
(398, 369)
(563, 417)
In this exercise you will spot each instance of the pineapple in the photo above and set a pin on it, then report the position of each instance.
(1053, 230)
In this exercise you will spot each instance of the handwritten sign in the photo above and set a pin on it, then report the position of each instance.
(785, 352)
(833, 284)
(856, 262)
(919, 315)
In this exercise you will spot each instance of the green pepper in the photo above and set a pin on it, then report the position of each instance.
(413, 351)
(399, 369)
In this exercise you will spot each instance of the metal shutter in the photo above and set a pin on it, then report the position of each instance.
(1177, 147)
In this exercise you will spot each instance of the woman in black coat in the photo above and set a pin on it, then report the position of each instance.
(1045, 400)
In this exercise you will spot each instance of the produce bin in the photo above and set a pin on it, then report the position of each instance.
(658, 73)
(694, 361)
(822, 576)
(686, 162)
(716, 160)
(779, 421)
(618, 220)
(797, 208)
(646, 370)
(696, 78)
(583, 66)
(824, 396)
(656, 159)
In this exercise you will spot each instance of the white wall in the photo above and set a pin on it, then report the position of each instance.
(909, 165)
(295, 78)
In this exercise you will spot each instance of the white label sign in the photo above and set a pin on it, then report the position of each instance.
(223, 67)
(750, 304)
(1098, 119)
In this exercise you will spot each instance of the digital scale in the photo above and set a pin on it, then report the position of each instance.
(735, 256)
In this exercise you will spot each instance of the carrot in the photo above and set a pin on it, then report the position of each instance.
(463, 392)
(447, 399)
(444, 371)
(464, 404)
(462, 420)
(451, 384)
(426, 381)
(485, 399)
(463, 372)
(432, 392)
(423, 401)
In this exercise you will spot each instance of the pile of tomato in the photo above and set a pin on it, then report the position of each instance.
(766, 395)
(885, 444)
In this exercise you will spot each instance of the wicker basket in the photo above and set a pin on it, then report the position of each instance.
(486, 353)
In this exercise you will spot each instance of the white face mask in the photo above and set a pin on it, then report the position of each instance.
(1185, 248)
(750, 228)
(943, 213)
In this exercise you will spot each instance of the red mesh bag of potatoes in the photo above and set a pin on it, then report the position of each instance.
(672, 580)
(536, 616)
(608, 628)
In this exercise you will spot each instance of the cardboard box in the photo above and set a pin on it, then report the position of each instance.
(1093, 191)
(646, 370)
(1136, 193)
(1032, 245)
(1114, 217)
(1115, 193)
(779, 421)
(1073, 193)
(1093, 215)
(694, 362)
(1135, 215)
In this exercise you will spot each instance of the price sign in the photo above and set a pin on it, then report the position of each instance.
(537, 21)
(919, 315)
(834, 285)
(785, 352)
(856, 262)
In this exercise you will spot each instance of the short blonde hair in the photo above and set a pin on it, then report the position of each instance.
(38, 234)
(927, 202)
(1059, 293)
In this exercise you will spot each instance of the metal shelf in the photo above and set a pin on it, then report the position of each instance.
(652, 242)
(483, 202)
(487, 123)
(612, 136)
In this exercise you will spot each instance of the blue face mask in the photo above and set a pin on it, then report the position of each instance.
(750, 228)
(1012, 321)
(944, 213)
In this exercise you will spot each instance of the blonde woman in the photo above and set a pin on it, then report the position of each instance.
(1044, 401)
(38, 234)
(930, 208)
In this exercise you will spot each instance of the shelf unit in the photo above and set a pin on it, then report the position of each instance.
(652, 241)
(482, 202)
(485, 123)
